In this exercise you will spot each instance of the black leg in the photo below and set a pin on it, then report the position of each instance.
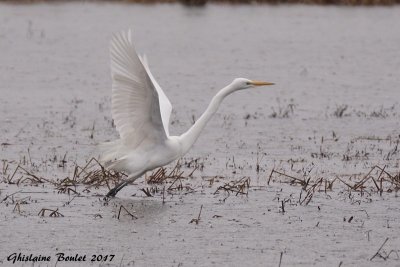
(113, 192)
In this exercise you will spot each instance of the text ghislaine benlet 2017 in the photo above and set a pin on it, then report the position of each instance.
(20, 257)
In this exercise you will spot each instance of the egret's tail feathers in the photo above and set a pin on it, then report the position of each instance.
(110, 151)
(118, 165)
(112, 155)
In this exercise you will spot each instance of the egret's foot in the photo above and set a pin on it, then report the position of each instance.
(113, 192)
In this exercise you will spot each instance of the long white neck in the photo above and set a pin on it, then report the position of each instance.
(190, 137)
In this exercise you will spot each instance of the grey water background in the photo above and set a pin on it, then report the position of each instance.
(319, 57)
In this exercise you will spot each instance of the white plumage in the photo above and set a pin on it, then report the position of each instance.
(141, 113)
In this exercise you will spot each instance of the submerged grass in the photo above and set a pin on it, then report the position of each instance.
(94, 175)
(176, 180)
(377, 180)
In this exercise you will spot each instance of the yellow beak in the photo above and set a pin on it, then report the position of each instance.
(261, 83)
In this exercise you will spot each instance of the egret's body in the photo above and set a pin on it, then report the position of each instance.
(141, 112)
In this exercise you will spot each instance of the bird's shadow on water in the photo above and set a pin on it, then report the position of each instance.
(137, 208)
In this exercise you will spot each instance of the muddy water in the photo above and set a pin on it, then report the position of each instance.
(334, 111)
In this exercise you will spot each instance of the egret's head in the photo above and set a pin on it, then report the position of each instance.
(242, 83)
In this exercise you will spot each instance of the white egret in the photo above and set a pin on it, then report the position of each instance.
(141, 113)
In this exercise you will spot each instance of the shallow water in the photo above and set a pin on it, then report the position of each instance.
(55, 65)
(55, 85)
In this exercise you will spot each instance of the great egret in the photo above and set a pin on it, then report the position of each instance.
(141, 113)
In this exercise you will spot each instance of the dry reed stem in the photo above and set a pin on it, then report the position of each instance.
(280, 259)
(86, 175)
(161, 176)
(383, 182)
(310, 192)
(175, 177)
(17, 207)
(303, 183)
(197, 220)
(8, 196)
(130, 214)
(383, 176)
(98, 177)
(239, 187)
(378, 252)
(147, 192)
(31, 177)
(53, 213)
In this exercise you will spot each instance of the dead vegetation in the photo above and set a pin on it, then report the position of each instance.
(197, 220)
(166, 181)
(309, 186)
(161, 175)
(379, 112)
(377, 180)
(339, 112)
(176, 180)
(382, 181)
(285, 110)
(126, 211)
(173, 180)
(382, 254)
(239, 187)
(53, 213)
(23, 174)
(93, 174)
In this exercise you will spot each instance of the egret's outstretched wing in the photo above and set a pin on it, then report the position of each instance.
(165, 105)
(135, 99)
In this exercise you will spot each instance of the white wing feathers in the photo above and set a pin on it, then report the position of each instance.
(165, 105)
(140, 108)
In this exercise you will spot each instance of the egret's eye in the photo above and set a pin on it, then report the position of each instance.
(248, 83)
